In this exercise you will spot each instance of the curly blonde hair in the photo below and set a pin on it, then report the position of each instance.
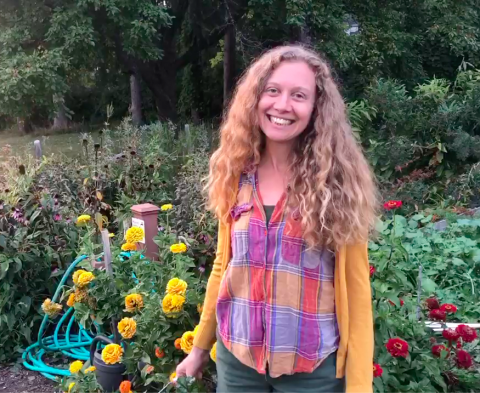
(332, 183)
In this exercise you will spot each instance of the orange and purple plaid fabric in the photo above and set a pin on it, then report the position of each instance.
(276, 306)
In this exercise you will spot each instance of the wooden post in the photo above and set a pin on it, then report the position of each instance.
(38, 149)
(146, 216)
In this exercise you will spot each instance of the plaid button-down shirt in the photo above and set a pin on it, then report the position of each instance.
(276, 306)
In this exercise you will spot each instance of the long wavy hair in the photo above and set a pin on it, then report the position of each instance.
(332, 184)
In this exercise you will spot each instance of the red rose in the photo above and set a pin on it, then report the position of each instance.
(437, 315)
(437, 350)
(450, 334)
(401, 302)
(377, 370)
(467, 333)
(432, 303)
(447, 307)
(397, 347)
(464, 360)
(391, 205)
(459, 344)
(372, 270)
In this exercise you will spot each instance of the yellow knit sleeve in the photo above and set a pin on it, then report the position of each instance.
(205, 336)
(359, 373)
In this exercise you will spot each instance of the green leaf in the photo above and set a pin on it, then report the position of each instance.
(428, 286)
(3, 269)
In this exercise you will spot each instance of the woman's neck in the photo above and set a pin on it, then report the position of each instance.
(277, 156)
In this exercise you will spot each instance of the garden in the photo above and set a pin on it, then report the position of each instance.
(424, 256)
(107, 88)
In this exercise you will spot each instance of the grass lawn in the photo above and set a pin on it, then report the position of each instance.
(67, 143)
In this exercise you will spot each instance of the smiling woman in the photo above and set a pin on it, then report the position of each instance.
(286, 105)
(289, 294)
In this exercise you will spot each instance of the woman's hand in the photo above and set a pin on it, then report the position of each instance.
(193, 364)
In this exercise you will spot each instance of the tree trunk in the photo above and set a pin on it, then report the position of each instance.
(23, 125)
(136, 100)
(304, 36)
(61, 120)
(228, 63)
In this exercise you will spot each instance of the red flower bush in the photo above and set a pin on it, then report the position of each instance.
(391, 205)
(372, 270)
(377, 370)
(401, 302)
(397, 347)
(464, 360)
(450, 335)
(437, 350)
(450, 308)
(467, 333)
(432, 303)
(437, 315)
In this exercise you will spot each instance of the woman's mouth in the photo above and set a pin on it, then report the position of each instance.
(279, 121)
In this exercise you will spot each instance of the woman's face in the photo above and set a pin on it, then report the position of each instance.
(286, 104)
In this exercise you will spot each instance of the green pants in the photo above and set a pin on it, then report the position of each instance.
(234, 376)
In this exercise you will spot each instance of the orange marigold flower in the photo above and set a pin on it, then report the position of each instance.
(159, 353)
(178, 344)
(126, 387)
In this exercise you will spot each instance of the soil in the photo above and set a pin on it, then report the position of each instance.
(17, 379)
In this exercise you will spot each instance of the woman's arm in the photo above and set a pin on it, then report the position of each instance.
(359, 374)
(205, 337)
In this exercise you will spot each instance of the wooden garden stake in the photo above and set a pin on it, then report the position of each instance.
(107, 259)
(38, 149)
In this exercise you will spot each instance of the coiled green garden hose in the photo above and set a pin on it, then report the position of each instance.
(73, 345)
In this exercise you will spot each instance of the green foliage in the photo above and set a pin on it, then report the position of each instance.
(156, 330)
(450, 271)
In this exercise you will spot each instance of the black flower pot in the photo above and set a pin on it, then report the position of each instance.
(109, 376)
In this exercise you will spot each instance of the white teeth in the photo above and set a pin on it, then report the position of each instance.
(280, 122)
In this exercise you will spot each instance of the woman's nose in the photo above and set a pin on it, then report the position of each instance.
(282, 103)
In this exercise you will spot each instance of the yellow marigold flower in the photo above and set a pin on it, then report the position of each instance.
(111, 235)
(51, 308)
(213, 352)
(200, 308)
(70, 387)
(127, 327)
(84, 279)
(129, 247)
(76, 366)
(91, 369)
(166, 207)
(83, 219)
(175, 285)
(71, 300)
(187, 342)
(76, 275)
(112, 353)
(173, 376)
(178, 248)
(134, 234)
(172, 303)
(133, 302)
(80, 295)
(195, 330)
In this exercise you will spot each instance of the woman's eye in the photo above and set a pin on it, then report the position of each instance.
(299, 96)
(271, 90)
